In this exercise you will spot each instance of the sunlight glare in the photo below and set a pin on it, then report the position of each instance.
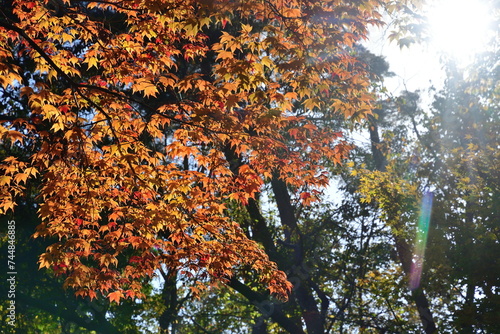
(460, 28)
(421, 241)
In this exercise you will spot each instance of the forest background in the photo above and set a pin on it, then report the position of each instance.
(168, 167)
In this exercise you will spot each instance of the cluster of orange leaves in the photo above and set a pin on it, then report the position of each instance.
(131, 156)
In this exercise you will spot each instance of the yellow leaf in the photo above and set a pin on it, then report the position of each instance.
(57, 126)
(5, 179)
(21, 177)
(266, 61)
(66, 37)
(50, 111)
(246, 28)
(92, 62)
(44, 261)
(143, 85)
(225, 55)
(312, 103)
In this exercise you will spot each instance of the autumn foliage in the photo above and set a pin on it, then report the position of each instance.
(141, 121)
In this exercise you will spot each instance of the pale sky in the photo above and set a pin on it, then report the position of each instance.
(416, 67)
(457, 28)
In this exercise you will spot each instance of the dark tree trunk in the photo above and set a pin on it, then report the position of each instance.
(313, 318)
(267, 308)
(468, 317)
(403, 249)
(168, 318)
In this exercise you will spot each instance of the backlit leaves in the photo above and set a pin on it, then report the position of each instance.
(135, 108)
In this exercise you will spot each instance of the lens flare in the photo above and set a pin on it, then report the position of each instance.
(421, 240)
(461, 28)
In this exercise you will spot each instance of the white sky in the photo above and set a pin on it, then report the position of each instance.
(416, 67)
(457, 28)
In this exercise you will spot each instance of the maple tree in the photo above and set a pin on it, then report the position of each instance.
(144, 119)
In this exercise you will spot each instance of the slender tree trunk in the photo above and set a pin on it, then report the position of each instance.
(168, 318)
(260, 230)
(267, 308)
(469, 311)
(468, 319)
(302, 293)
(403, 249)
(315, 322)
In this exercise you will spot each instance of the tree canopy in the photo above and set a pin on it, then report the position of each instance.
(171, 162)
(141, 121)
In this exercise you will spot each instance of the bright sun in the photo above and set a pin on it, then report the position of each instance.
(460, 28)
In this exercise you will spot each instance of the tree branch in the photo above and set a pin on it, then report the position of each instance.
(275, 313)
